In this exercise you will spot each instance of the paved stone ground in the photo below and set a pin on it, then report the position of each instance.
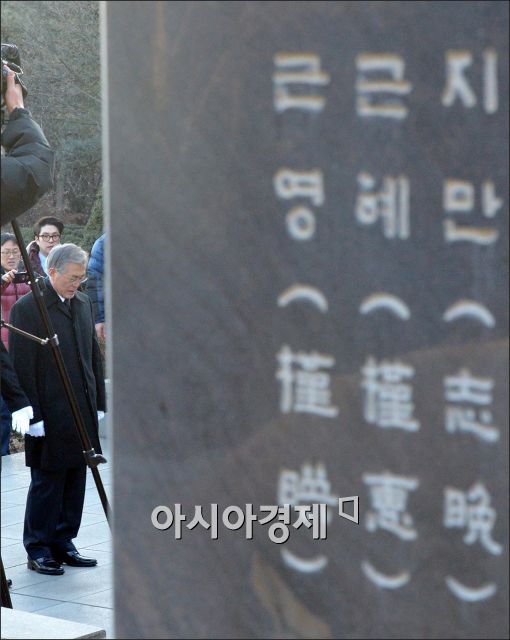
(81, 595)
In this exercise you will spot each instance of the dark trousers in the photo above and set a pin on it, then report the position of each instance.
(6, 427)
(53, 512)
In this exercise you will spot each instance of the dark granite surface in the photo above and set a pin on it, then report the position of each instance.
(201, 255)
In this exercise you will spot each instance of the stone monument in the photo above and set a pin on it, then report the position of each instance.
(308, 214)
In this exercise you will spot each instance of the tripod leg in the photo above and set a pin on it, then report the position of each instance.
(6, 596)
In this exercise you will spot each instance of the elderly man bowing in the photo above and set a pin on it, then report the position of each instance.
(52, 446)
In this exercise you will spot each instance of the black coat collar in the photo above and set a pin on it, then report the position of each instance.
(52, 298)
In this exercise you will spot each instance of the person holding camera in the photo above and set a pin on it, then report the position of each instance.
(11, 292)
(27, 167)
(12, 289)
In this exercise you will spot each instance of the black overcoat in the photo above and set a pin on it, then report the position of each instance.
(27, 169)
(12, 392)
(60, 448)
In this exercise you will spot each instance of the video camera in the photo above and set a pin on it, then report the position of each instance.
(11, 58)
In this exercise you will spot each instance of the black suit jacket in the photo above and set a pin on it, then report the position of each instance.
(60, 448)
(12, 392)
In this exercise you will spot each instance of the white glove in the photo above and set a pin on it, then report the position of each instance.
(21, 419)
(100, 415)
(36, 430)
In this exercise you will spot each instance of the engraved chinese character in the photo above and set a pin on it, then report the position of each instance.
(388, 399)
(465, 390)
(472, 510)
(309, 486)
(304, 387)
(389, 494)
(390, 203)
(381, 96)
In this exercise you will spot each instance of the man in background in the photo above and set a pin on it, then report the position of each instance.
(47, 234)
(95, 285)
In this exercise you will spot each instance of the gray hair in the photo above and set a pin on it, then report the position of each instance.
(63, 254)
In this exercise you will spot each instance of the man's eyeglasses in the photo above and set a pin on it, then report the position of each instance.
(11, 252)
(47, 237)
(76, 279)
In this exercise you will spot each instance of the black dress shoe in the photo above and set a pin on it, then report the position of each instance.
(47, 566)
(74, 559)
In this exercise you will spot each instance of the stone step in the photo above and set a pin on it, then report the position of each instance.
(22, 625)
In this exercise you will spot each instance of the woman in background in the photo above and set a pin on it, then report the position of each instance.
(11, 292)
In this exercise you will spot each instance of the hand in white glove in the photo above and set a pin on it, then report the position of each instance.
(100, 415)
(36, 430)
(21, 419)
